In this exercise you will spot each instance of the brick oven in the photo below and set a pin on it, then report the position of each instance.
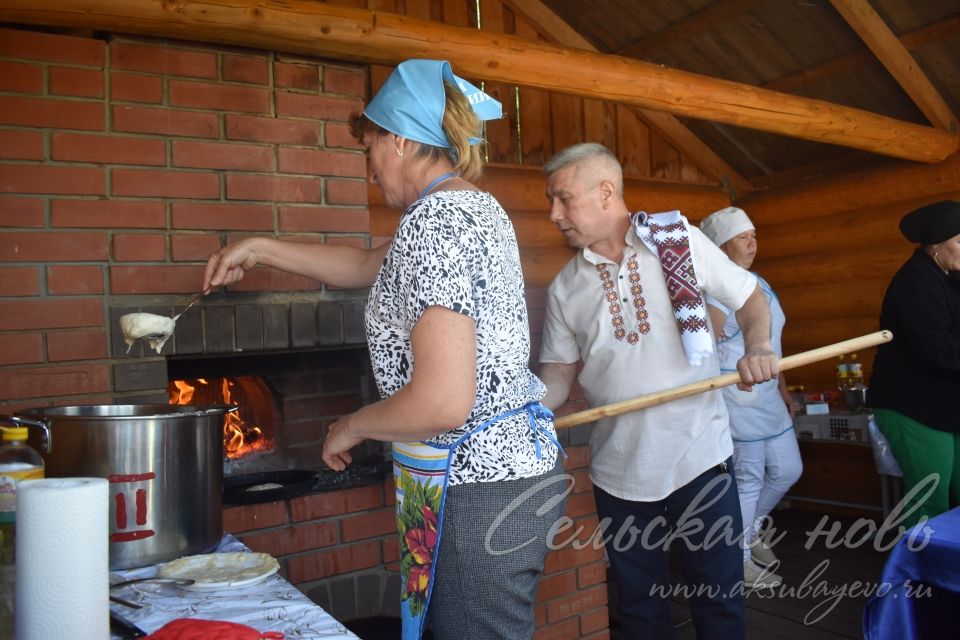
(124, 162)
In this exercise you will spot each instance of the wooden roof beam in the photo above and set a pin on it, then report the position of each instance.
(894, 56)
(674, 131)
(313, 28)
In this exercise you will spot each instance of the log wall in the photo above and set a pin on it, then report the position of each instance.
(830, 248)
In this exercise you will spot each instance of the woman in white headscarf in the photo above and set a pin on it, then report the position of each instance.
(766, 457)
(475, 453)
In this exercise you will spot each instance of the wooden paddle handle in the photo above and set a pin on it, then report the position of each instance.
(653, 399)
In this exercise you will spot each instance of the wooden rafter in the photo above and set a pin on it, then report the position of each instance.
(674, 131)
(687, 28)
(313, 28)
(917, 39)
(894, 56)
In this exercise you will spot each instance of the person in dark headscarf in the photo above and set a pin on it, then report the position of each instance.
(916, 377)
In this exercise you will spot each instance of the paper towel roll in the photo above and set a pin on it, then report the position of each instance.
(62, 559)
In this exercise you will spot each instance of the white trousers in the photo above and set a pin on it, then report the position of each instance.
(765, 471)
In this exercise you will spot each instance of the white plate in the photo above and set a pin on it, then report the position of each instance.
(213, 571)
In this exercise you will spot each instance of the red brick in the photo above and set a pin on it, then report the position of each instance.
(226, 216)
(193, 246)
(369, 525)
(207, 95)
(389, 491)
(275, 130)
(74, 279)
(76, 345)
(577, 603)
(600, 635)
(591, 574)
(51, 313)
(51, 48)
(554, 586)
(321, 505)
(156, 279)
(52, 180)
(246, 69)
(323, 163)
(40, 381)
(348, 81)
(21, 348)
(577, 458)
(595, 620)
(337, 134)
(18, 77)
(581, 481)
(107, 149)
(272, 189)
(304, 105)
(21, 145)
(21, 212)
(579, 504)
(19, 281)
(569, 557)
(324, 219)
(128, 87)
(62, 246)
(335, 562)
(108, 214)
(296, 76)
(163, 60)
(566, 630)
(390, 548)
(346, 192)
(165, 184)
(169, 122)
(139, 247)
(222, 155)
(57, 114)
(539, 615)
(294, 539)
(84, 83)
(251, 517)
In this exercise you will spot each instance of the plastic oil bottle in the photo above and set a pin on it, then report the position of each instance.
(18, 461)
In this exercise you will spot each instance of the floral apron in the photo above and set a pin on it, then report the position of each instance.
(421, 472)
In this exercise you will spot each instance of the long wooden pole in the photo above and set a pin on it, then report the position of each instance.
(316, 28)
(727, 379)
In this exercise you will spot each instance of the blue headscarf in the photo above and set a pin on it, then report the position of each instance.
(412, 101)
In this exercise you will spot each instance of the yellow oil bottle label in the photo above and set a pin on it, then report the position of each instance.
(8, 488)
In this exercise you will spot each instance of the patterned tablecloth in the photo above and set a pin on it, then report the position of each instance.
(271, 605)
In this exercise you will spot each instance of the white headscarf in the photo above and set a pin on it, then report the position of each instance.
(727, 223)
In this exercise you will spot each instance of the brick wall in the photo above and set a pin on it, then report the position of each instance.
(340, 548)
(123, 164)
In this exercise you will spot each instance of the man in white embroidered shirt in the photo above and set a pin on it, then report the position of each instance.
(629, 305)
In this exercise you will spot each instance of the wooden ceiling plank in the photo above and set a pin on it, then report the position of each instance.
(932, 33)
(666, 125)
(688, 28)
(319, 29)
(898, 61)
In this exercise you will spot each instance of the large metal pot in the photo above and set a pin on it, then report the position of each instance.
(165, 467)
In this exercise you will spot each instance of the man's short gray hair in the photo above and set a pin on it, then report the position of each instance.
(578, 153)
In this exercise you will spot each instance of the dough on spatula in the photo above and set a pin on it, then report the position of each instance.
(155, 329)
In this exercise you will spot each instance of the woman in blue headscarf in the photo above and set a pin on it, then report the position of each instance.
(475, 453)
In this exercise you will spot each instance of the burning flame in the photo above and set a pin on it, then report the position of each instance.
(239, 437)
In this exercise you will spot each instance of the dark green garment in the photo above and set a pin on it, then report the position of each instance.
(921, 452)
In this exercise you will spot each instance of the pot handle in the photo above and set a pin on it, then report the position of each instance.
(17, 421)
